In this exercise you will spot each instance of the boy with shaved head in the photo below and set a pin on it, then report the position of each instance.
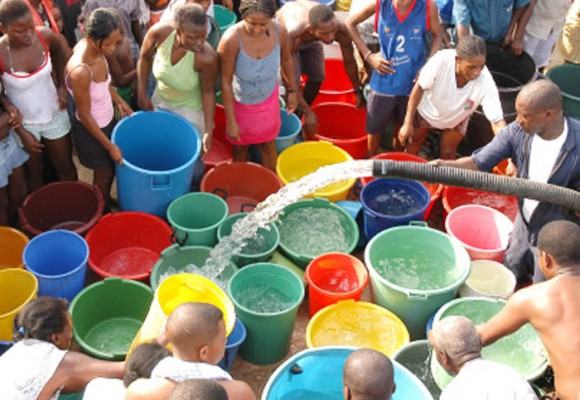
(368, 375)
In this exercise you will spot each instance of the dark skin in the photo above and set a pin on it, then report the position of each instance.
(294, 17)
(121, 64)
(27, 55)
(205, 63)
(90, 52)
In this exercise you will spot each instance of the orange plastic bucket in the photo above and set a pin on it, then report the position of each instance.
(12, 244)
(333, 277)
(434, 189)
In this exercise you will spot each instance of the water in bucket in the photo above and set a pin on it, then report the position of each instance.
(263, 299)
(396, 202)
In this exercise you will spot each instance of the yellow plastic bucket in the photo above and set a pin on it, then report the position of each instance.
(18, 287)
(12, 244)
(357, 323)
(488, 279)
(304, 158)
(178, 289)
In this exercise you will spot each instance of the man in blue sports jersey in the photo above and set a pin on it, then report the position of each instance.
(402, 26)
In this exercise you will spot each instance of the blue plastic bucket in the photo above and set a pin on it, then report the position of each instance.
(58, 259)
(159, 152)
(317, 374)
(392, 202)
(235, 340)
(289, 130)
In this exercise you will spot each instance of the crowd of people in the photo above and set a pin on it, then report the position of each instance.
(69, 70)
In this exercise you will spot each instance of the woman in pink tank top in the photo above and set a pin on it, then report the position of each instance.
(89, 81)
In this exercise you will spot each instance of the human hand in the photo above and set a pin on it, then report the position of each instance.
(292, 102)
(145, 103)
(406, 133)
(517, 47)
(124, 108)
(15, 118)
(511, 169)
(233, 131)
(62, 97)
(379, 64)
(310, 123)
(360, 99)
(206, 144)
(116, 154)
(30, 143)
(438, 163)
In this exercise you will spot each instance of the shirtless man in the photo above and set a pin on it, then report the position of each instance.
(308, 23)
(552, 307)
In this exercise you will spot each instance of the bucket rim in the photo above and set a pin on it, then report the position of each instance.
(410, 292)
(294, 359)
(498, 267)
(34, 293)
(375, 182)
(327, 292)
(21, 236)
(241, 340)
(241, 215)
(411, 345)
(139, 114)
(27, 226)
(505, 220)
(231, 164)
(284, 115)
(263, 265)
(352, 303)
(82, 264)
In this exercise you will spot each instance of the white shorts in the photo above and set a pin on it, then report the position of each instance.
(193, 116)
(540, 49)
(56, 128)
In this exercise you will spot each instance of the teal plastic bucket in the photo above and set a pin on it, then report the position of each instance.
(290, 127)
(266, 298)
(177, 259)
(416, 357)
(58, 259)
(523, 350)
(224, 17)
(257, 249)
(312, 227)
(108, 314)
(392, 202)
(414, 270)
(316, 374)
(159, 151)
(566, 77)
(195, 218)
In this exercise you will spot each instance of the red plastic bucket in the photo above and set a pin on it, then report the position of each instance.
(483, 231)
(241, 184)
(73, 206)
(454, 197)
(344, 126)
(333, 277)
(220, 150)
(127, 244)
(434, 189)
(336, 86)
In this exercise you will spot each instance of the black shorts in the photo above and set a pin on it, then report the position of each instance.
(383, 109)
(91, 153)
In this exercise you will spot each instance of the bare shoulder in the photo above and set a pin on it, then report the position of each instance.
(207, 57)
(161, 30)
(47, 34)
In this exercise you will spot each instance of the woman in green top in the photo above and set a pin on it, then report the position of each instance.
(185, 67)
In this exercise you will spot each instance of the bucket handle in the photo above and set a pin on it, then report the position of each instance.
(421, 224)
(221, 192)
(243, 206)
(174, 239)
(417, 296)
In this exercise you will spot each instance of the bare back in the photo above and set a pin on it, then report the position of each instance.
(553, 309)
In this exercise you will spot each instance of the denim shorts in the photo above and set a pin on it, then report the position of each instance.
(11, 157)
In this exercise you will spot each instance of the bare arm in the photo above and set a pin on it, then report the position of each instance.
(498, 126)
(119, 77)
(59, 59)
(124, 108)
(228, 50)
(149, 389)
(208, 70)
(517, 27)
(436, 29)
(345, 41)
(145, 64)
(464, 162)
(287, 66)
(512, 317)
(137, 32)
(407, 130)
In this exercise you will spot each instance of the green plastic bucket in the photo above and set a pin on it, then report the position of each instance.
(266, 298)
(566, 77)
(414, 270)
(312, 227)
(258, 249)
(177, 259)
(195, 218)
(416, 357)
(224, 17)
(523, 350)
(108, 314)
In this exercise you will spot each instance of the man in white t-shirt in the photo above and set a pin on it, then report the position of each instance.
(451, 85)
(457, 346)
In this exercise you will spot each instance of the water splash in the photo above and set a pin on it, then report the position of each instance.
(269, 210)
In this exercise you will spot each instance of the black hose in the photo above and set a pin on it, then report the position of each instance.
(523, 188)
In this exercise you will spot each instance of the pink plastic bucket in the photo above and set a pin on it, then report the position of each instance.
(483, 231)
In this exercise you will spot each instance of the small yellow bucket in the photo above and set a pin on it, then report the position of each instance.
(18, 288)
(304, 158)
(357, 323)
(178, 289)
